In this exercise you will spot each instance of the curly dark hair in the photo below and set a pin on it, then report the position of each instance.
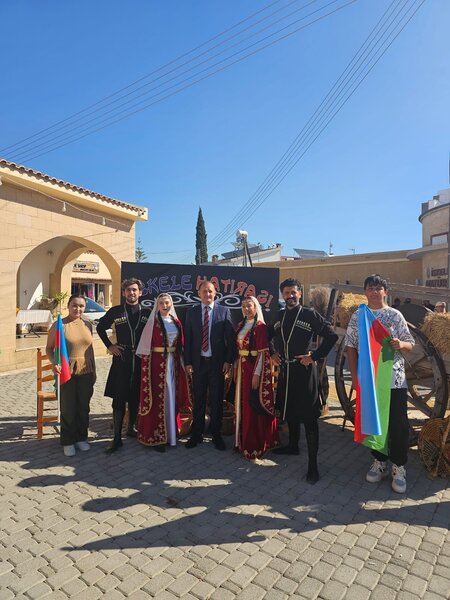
(133, 280)
(290, 282)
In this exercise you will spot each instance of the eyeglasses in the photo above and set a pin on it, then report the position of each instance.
(372, 288)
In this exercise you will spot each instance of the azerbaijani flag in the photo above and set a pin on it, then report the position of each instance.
(60, 356)
(373, 394)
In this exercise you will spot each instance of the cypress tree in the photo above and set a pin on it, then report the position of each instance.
(201, 249)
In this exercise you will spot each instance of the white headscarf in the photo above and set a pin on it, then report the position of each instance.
(259, 312)
(145, 344)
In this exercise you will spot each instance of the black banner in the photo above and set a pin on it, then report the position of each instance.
(232, 285)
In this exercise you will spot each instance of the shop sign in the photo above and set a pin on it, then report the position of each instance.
(438, 272)
(436, 283)
(86, 267)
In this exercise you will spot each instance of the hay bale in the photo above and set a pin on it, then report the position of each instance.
(437, 329)
(347, 306)
(319, 298)
(434, 447)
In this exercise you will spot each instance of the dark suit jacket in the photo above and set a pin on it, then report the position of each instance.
(222, 337)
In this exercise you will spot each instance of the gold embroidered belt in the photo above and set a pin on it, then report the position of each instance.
(248, 352)
(160, 349)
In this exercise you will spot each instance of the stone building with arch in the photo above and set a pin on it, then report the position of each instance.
(45, 225)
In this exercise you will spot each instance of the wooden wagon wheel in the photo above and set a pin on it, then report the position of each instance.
(427, 384)
(343, 382)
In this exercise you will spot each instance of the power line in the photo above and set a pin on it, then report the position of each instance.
(287, 169)
(317, 116)
(164, 84)
(116, 118)
(295, 153)
(94, 129)
(70, 121)
(143, 78)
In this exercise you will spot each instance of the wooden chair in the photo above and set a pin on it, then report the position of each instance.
(47, 407)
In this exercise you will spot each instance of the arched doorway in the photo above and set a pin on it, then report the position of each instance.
(47, 269)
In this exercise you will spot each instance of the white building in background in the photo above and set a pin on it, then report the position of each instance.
(258, 254)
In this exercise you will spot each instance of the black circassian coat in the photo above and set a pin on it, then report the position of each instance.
(123, 383)
(291, 335)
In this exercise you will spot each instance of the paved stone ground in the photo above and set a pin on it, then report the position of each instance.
(205, 524)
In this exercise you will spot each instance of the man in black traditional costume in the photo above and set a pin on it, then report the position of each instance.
(124, 379)
(297, 393)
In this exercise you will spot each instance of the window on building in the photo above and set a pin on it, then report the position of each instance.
(439, 238)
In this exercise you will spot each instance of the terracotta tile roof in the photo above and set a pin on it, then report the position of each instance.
(69, 186)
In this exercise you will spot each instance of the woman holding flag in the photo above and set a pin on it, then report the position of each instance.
(70, 349)
(376, 337)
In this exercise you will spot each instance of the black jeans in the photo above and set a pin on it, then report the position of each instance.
(208, 382)
(75, 398)
(398, 434)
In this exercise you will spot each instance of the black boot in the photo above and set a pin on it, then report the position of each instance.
(132, 418)
(312, 441)
(294, 438)
(118, 416)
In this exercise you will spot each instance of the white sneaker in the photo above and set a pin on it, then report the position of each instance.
(69, 450)
(377, 471)
(83, 446)
(398, 479)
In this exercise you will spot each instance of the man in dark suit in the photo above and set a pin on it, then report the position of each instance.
(209, 348)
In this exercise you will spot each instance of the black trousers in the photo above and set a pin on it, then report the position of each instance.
(75, 397)
(124, 382)
(208, 382)
(398, 434)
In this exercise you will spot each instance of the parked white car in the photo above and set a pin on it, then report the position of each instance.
(94, 311)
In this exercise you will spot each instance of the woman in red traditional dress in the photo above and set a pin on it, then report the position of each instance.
(164, 387)
(255, 423)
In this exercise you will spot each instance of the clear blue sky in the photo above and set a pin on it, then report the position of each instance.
(359, 186)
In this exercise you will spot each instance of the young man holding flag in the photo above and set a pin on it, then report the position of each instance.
(376, 337)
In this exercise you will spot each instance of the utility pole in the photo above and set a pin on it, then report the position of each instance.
(448, 231)
(448, 247)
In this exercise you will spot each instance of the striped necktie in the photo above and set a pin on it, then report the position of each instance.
(205, 330)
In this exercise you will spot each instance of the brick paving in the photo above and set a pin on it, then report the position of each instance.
(208, 524)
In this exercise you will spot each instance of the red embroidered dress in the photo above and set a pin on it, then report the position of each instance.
(164, 389)
(254, 433)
